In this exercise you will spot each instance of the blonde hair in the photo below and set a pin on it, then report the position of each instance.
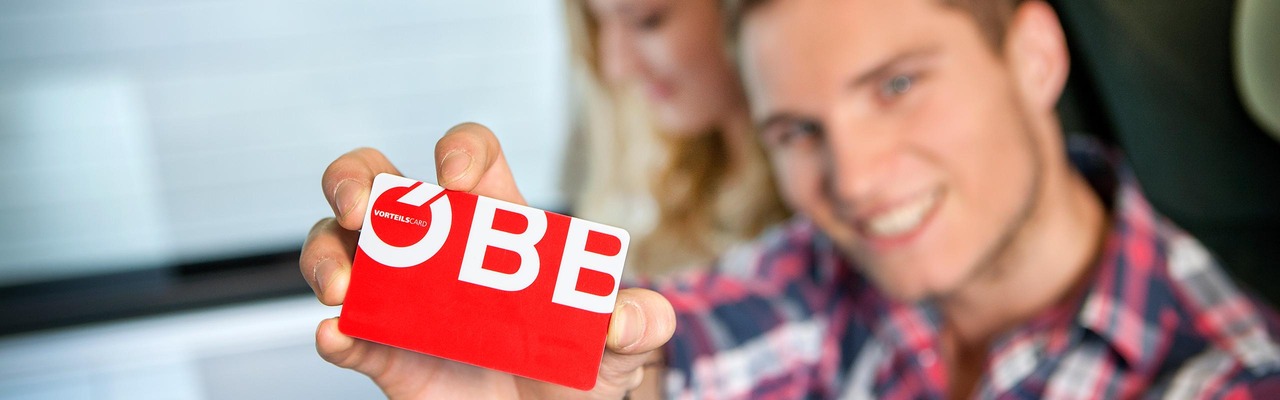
(674, 193)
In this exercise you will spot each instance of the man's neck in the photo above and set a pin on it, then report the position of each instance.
(1051, 256)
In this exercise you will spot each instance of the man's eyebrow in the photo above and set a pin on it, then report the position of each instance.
(879, 71)
(886, 67)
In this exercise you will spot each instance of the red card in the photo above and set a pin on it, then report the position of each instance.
(484, 282)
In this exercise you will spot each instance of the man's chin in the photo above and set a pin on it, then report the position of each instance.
(900, 285)
(905, 293)
(895, 274)
(905, 283)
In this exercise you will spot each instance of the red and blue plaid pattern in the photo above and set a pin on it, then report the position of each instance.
(787, 318)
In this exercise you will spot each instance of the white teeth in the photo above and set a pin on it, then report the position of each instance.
(902, 219)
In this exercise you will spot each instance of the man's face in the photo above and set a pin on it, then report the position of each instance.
(898, 130)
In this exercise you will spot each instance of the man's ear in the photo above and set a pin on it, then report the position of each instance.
(1036, 49)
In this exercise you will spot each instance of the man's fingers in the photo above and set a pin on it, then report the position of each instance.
(347, 352)
(643, 321)
(347, 181)
(469, 159)
(326, 260)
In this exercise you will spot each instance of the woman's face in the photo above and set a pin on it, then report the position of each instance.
(673, 50)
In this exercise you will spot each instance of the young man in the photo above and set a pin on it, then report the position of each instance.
(951, 241)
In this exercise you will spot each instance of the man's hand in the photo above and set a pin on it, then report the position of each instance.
(469, 159)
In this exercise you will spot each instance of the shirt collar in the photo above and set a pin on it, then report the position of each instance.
(1129, 303)
(1151, 278)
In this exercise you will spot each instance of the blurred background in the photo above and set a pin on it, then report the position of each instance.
(198, 129)
(161, 156)
(160, 160)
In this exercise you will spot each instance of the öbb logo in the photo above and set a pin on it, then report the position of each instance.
(409, 222)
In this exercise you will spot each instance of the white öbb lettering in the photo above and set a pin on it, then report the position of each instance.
(483, 235)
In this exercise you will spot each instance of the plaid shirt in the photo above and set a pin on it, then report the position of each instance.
(788, 317)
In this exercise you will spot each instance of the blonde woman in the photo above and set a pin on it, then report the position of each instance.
(667, 149)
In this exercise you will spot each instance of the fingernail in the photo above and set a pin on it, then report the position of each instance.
(627, 327)
(344, 196)
(454, 166)
(321, 272)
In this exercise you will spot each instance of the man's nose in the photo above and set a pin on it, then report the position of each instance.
(857, 164)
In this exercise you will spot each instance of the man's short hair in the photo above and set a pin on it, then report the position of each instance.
(992, 17)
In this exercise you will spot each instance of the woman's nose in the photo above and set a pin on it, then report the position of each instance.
(619, 58)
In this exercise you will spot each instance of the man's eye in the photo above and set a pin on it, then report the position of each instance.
(793, 133)
(896, 86)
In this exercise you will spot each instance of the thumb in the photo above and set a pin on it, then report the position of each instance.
(469, 159)
(643, 321)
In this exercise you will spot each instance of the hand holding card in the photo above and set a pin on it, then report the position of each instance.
(477, 280)
(642, 322)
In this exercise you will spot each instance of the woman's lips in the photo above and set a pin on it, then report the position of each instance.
(659, 91)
